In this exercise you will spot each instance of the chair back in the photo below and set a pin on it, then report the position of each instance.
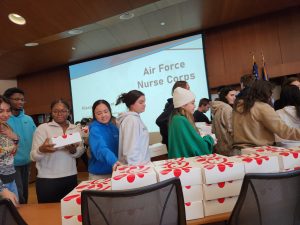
(9, 215)
(268, 199)
(158, 204)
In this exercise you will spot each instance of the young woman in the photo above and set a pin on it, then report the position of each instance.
(57, 172)
(255, 122)
(162, 120)
(134, 135)
(290, 113)
(103, 141)
(222, 121)
(8, 147)
(184, 139)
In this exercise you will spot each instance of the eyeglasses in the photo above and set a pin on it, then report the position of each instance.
(60, 112)
(18, 99)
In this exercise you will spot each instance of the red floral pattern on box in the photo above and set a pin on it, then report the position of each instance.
(131, 173)
(176, 167)
(220, 163)
(102, 184)
(206, 158)
(78, 218)
(253, 157)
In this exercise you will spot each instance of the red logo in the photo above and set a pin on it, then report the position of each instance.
(131, 172)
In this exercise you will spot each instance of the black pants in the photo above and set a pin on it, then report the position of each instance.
(54, 189)
(22, 177)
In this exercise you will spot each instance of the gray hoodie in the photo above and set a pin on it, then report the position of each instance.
(133, 139)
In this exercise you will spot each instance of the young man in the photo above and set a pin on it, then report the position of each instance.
(203, 107)
(24, 127)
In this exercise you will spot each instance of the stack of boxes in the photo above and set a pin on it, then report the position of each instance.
(256, 163)
(71, 203)
(191, 181)
(289, 159)
(222, 180)
(211, 183)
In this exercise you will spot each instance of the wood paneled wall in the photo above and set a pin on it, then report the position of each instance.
(42, 88)
(228, 49)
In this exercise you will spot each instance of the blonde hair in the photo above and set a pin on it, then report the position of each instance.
(188, 115)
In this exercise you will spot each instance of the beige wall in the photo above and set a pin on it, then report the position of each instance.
(5, 84)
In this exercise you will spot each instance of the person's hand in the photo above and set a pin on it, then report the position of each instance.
(46, 147)
(116, 165)
(10, 195)
(71, 148)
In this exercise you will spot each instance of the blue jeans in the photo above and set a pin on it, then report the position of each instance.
(13, 188)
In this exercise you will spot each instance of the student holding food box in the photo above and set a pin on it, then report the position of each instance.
(57, 172)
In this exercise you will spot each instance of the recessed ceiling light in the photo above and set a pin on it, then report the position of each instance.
(73, 48)
(75, 31)
(126, 16)
(17, 19)
(31, 44)
(162, 23)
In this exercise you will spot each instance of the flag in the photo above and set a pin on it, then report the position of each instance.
(255, 69)
(264, 74)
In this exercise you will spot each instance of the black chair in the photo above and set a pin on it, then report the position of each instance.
(9, 215)
(158, 204)
(268, 199)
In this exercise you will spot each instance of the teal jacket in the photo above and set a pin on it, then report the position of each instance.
(24, 127)
(185, 141)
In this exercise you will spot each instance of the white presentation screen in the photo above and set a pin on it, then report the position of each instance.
(152, 70)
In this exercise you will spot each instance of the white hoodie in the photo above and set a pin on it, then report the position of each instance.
(289, 116)
(133, 139)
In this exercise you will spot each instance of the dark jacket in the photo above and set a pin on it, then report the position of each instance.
(163, 120)
(200, 117)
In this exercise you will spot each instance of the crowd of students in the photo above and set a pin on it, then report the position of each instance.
(246, 119)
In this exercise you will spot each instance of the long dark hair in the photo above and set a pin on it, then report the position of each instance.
(98, 102)
(4, 99)
(129, 98)
(66, 104)
(260, 90)
(223, 93)
(290, 96)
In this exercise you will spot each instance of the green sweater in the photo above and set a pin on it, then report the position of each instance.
(184, 141)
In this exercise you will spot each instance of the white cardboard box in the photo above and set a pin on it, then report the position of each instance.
(71, 203)
(221, 205)
(222, 189)
(157, 149)
(288, 158)
(188, 173)
(194, 210)
(192, 193)
(66, 139)
(217, 168)
(257, 163)
(128, 177)
(162, 162)
(71, 220)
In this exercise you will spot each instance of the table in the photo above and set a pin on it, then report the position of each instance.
(49, 214)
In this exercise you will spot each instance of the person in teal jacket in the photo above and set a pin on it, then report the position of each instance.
(24, 127)
(184, 139)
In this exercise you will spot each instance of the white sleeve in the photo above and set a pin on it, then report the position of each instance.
(39, 137)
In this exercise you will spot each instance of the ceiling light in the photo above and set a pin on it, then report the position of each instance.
(75, 32)
(73, 48)
(31, 44)
(126, 16)
(17, 19)
(162, 23)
